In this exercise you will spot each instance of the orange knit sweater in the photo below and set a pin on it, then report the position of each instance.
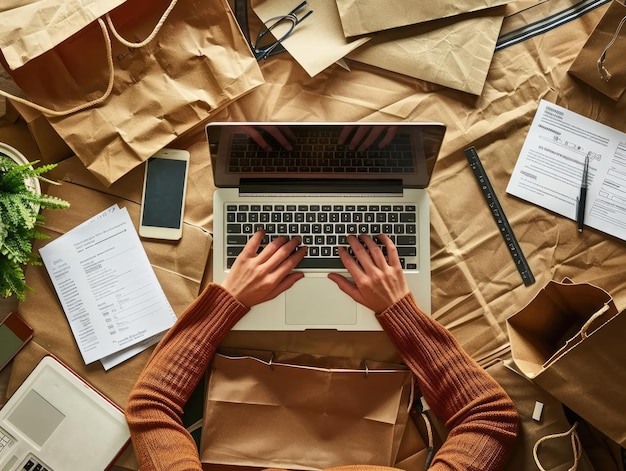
(482, 420)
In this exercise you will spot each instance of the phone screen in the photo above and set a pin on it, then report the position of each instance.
(10, 343)
(165, 188)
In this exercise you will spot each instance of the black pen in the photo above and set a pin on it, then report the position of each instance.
(582, 199)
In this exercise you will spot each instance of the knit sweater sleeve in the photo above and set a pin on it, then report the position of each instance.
(179, 361)
(481, 418)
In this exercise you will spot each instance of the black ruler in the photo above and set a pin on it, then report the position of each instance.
(498, 214)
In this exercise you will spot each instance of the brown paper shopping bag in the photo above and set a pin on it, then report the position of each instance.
(295, 411)
(119, 90)
(569, 341)
(600, 63)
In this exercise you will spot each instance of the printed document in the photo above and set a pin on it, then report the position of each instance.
(107, 287)
(549, 169)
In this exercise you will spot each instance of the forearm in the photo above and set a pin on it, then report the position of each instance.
(481, 418)
(174, 370)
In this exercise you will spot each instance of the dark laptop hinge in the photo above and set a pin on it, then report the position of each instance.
(320, 186)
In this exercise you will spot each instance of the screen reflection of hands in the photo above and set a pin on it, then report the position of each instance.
(356, 137)
(366, 136)
(282, 134)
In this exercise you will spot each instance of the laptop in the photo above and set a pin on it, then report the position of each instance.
(55, 421)
(322, 182)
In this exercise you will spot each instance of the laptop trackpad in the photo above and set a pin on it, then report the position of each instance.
(318, 301)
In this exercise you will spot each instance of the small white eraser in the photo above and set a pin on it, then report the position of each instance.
(538, 411)
(425, 406)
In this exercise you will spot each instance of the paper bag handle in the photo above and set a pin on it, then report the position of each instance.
(604, 73)
(105, 95)
(109, 53)
(150, 37)
(576, 447)
(586, 325)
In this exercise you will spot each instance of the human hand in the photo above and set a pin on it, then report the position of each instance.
(258, 277)
(365, 136)
(378, 280)
(282, 134)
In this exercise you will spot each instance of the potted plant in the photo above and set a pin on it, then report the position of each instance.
(21, 200)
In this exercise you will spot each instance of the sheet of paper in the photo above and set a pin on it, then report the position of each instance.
(120, 357)
(549, 169)
(105, 283)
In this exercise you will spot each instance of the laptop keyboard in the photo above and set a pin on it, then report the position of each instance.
(5, 440)
(323, 228)
(33, 464)
(318, 151)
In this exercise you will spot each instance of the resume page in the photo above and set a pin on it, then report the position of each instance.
(549, 169)
(107, 287)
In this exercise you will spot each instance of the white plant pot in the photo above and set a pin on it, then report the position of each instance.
(18, 157)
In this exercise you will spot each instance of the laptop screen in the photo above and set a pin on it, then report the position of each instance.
(275, 152)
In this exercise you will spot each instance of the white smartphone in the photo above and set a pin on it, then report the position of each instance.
(163, 198)
(14, 334)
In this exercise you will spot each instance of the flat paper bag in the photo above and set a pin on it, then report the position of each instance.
(570, 341)
(296, 411)
(455, 53)
(368, 16)
(608, 75)
(197, 63)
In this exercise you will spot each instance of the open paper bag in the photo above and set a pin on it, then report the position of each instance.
(296, 411)
(569, 340)
(119, 90)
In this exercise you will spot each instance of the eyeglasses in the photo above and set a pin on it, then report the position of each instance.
(263, 49)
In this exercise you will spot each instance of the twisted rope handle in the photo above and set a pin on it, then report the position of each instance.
(604, 73)
(97, 101)
(576, 446)
(150, 37)
(586, 325)
(110, 67)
